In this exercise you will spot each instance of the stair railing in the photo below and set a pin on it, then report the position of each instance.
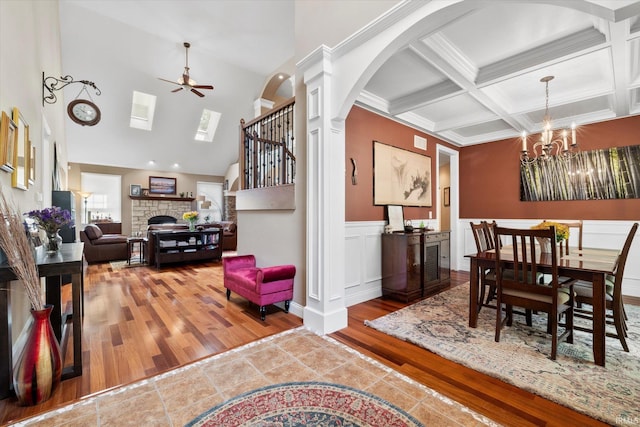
(267, 156)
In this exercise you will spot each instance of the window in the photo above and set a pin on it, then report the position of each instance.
(143, 108)
(105, 199)
(208, 125)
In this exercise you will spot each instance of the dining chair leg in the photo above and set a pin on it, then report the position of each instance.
(481, 299)
(617, 319)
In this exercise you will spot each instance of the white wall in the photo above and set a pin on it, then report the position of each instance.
(30, 38)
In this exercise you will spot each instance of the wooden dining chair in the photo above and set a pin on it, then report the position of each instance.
(614, 304)
(522, 288)
(577, 225)
(487, 276)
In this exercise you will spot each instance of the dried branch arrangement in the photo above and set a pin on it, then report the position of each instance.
(19, 252)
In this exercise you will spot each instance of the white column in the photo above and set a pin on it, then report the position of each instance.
(325, 310)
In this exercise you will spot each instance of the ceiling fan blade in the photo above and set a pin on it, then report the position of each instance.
(201, 95)
(177, 90)
(203, 86)
(169, 81)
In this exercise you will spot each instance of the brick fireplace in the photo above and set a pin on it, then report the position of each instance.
(144, 208)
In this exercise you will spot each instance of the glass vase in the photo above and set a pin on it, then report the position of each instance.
(192, 225)
(38, 368)
(54, 242)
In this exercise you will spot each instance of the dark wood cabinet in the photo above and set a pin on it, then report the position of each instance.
(414, 264)
(181, 246)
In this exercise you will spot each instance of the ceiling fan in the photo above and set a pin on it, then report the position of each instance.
(185, 82)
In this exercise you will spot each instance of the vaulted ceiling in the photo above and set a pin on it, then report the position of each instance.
(475, 80)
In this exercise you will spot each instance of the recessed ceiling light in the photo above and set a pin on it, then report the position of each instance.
(280, 76)
(152, 162)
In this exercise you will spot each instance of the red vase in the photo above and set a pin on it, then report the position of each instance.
(37, 370)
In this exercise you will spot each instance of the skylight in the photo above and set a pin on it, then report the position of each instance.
(143, 107)
(208, 125)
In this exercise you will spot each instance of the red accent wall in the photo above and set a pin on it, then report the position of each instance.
(489, 173)
(361, 129)
(490, 179)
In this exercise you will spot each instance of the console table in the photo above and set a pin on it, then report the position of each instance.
(414, 265)
(184, 245)
(70, 260)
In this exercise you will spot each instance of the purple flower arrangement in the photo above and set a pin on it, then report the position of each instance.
(51, 219)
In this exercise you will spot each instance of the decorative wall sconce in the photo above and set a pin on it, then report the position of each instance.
(82, 111)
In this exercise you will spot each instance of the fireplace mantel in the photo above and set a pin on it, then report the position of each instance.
(173, 198)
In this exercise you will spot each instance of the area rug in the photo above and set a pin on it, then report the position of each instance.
(610, 394)
(305, 404)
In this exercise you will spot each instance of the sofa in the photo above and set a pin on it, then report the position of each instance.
(262, 286)
(151, 241)
(103, 247)
(230, 231)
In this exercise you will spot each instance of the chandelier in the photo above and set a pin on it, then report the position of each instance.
(549, 145)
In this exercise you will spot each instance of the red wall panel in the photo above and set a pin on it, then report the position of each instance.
(490, 179)
(489, 173)
(361, 129)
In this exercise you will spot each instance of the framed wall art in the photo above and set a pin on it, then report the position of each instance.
(32, 165)
(20, 175)
(400, 177)
(160, 185)
(611, 173)
(396, 217)
(446, 196)
(8, 142)
(135, 190)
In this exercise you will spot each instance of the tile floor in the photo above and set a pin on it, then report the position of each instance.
(178, 396)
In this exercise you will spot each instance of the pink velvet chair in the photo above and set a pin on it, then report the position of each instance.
(260, 285)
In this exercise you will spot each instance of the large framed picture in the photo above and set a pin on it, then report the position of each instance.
(160, 185)
(400, 177)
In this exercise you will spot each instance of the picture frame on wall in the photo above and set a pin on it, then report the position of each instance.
(8, 142)
(20, 174)
(135, 190)
(162, 185)
(32, 164)
(400, 177)
(446, 197)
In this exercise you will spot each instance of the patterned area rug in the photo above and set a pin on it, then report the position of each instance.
(305, 404)
(440, 324)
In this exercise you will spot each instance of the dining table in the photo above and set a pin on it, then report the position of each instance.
(589, 264)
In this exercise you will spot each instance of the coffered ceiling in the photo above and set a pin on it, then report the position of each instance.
(475, 80)
(478, 79)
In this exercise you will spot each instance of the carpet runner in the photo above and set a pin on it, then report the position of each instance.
(440, 324)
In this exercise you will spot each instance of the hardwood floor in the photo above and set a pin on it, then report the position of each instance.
(139, 322)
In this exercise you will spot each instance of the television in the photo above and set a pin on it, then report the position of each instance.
(161, 185)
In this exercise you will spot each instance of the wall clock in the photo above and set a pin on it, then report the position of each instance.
(84, 112)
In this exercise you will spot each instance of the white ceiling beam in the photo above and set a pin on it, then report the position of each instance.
(548, 52)
(425, 51)
(437, 92)
(620, 50)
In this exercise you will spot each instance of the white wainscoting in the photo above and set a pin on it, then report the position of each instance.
(363, 276)
(595, 234)
(363, 271)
